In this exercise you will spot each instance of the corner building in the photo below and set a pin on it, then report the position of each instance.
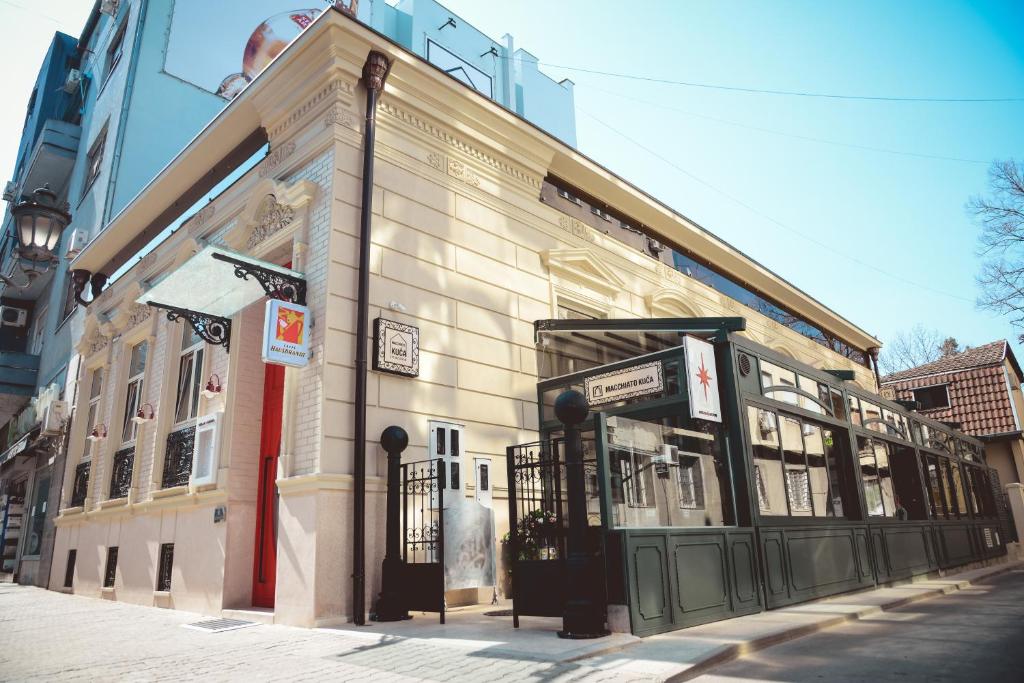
(518, 267)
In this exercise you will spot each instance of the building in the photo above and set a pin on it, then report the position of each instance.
(502, 267)
(979, 391)
(156, 65)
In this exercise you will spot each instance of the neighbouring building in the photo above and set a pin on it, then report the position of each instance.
(738, 457)
(110, 110)
(977, 390)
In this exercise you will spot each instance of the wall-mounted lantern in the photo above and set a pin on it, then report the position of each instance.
(142, 415)
(39, 220)
(99, 433)
(213, 387)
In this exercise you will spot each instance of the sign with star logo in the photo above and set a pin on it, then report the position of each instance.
(702, 379)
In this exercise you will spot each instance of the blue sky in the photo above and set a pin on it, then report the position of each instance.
(882, 238)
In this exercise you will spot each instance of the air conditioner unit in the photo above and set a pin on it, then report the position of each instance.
(52, 420)
(10, 191)
(206, 452)
(73, 81)
(76, 243)
(109, 7)
(13, 317)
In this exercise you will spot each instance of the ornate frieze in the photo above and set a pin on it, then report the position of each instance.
(201, 218)
(459, 170)
(97, 342)
(138, 314)
(276, 156)
(335, 86)
(339, 115)
(577, 228)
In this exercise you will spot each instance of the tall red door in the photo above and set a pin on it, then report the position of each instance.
(264, 570)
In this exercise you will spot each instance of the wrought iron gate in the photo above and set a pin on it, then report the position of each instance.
(423, 486)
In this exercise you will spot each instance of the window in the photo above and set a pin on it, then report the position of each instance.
(798, 492)
(38, 327)
(116, 49)
(598, 211)
(762, 491)
(38, 516)
(565, 194)
(891, 480)
(691, 482)
(774, 376)
(70, 304)
(764, 437)
(190, 376)
(95, 160)
(930, 463)
(110, 573)
(95, 393)
(163, 575)
(69, 568)
(855, 417)
(932, 397)
(133, 392)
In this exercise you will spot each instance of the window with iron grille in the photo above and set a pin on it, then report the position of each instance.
(691, 483)
(163, 576)
(69, 570)
(110, 573)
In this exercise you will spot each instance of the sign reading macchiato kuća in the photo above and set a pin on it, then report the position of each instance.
(702, 379)
(618, 385)
(396, 348)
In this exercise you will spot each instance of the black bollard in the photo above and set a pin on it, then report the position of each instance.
(584, 615)
(390, 605)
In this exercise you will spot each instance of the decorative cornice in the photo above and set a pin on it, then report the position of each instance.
(577, 228)
(138, 314)
(276, 156)
(410, 119)
(337, 86)
(464, 173)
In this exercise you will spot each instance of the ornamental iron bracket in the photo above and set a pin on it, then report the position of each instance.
(277, 285)
(212, 329)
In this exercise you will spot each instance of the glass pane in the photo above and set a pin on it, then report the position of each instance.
(131, 405)
(97, 383)
(774, 376)
(855, 410)
(872, 412)
(797, 482)
(764, 439)
(934, 486)
(197, 380)
(138, 362)
(94, 407)
(185, 371)
(811, 387)
(947, 489)
(958, 488)
(917, 433)
(189, 337)
(885, 478)
(837, 463)
(814, 444)
(667, 472)
(869, 477)
(906, 477)
(838, 407)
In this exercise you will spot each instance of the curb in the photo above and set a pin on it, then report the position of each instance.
(728, 653)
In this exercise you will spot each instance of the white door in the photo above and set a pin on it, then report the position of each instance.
(447, 444)
(483, 481)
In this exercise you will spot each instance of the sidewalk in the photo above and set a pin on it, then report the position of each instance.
(46, 635)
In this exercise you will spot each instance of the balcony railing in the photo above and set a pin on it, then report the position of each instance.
(121, 473)
(80, 489)
(178, 457)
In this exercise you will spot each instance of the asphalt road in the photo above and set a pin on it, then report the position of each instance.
(973, 635)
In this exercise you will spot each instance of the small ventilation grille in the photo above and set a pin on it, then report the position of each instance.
(218, 625)
(744, 364)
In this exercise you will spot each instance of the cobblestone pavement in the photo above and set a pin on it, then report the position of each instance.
(47, 636)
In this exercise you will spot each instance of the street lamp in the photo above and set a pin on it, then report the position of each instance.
(39, 220)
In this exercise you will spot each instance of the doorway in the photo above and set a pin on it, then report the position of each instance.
(264, 571)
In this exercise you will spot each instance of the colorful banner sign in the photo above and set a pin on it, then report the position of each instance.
(286, 334)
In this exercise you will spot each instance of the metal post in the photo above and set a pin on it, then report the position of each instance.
(584, 615)
(390, 606)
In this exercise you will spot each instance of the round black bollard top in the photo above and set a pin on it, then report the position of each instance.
(394, 439)
(571, 407)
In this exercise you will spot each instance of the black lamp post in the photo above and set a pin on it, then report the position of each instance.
(390, 606)
(584, 615)
(39, 220)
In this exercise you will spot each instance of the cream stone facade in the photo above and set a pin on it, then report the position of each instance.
(462, 249)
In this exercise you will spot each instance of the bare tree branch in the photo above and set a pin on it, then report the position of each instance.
(915, 347)
(1000, 217)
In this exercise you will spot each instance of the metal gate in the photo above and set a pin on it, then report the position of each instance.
(423, 485)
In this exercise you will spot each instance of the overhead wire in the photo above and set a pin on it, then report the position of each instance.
(780, 224)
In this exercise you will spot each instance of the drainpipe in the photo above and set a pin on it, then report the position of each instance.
(873, 352)
(375, 72)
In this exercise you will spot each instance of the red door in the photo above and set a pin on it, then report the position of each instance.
(264, 570)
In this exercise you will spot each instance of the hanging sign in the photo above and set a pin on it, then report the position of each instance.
(618, 385)
(286, 334)
(702, 379)
(396, 348)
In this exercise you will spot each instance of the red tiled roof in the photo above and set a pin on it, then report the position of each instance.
(978, 357)
(977, 395)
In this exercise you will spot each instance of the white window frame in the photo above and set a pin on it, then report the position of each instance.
(193, 387)
(130, 429)
(38, 327)
(945, 386)
(115, 50)
(94, 159)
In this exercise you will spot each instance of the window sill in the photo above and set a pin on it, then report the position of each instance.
(77, 510)
(113, 503)
(161, 595)
(171, 492)
(109, 590)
